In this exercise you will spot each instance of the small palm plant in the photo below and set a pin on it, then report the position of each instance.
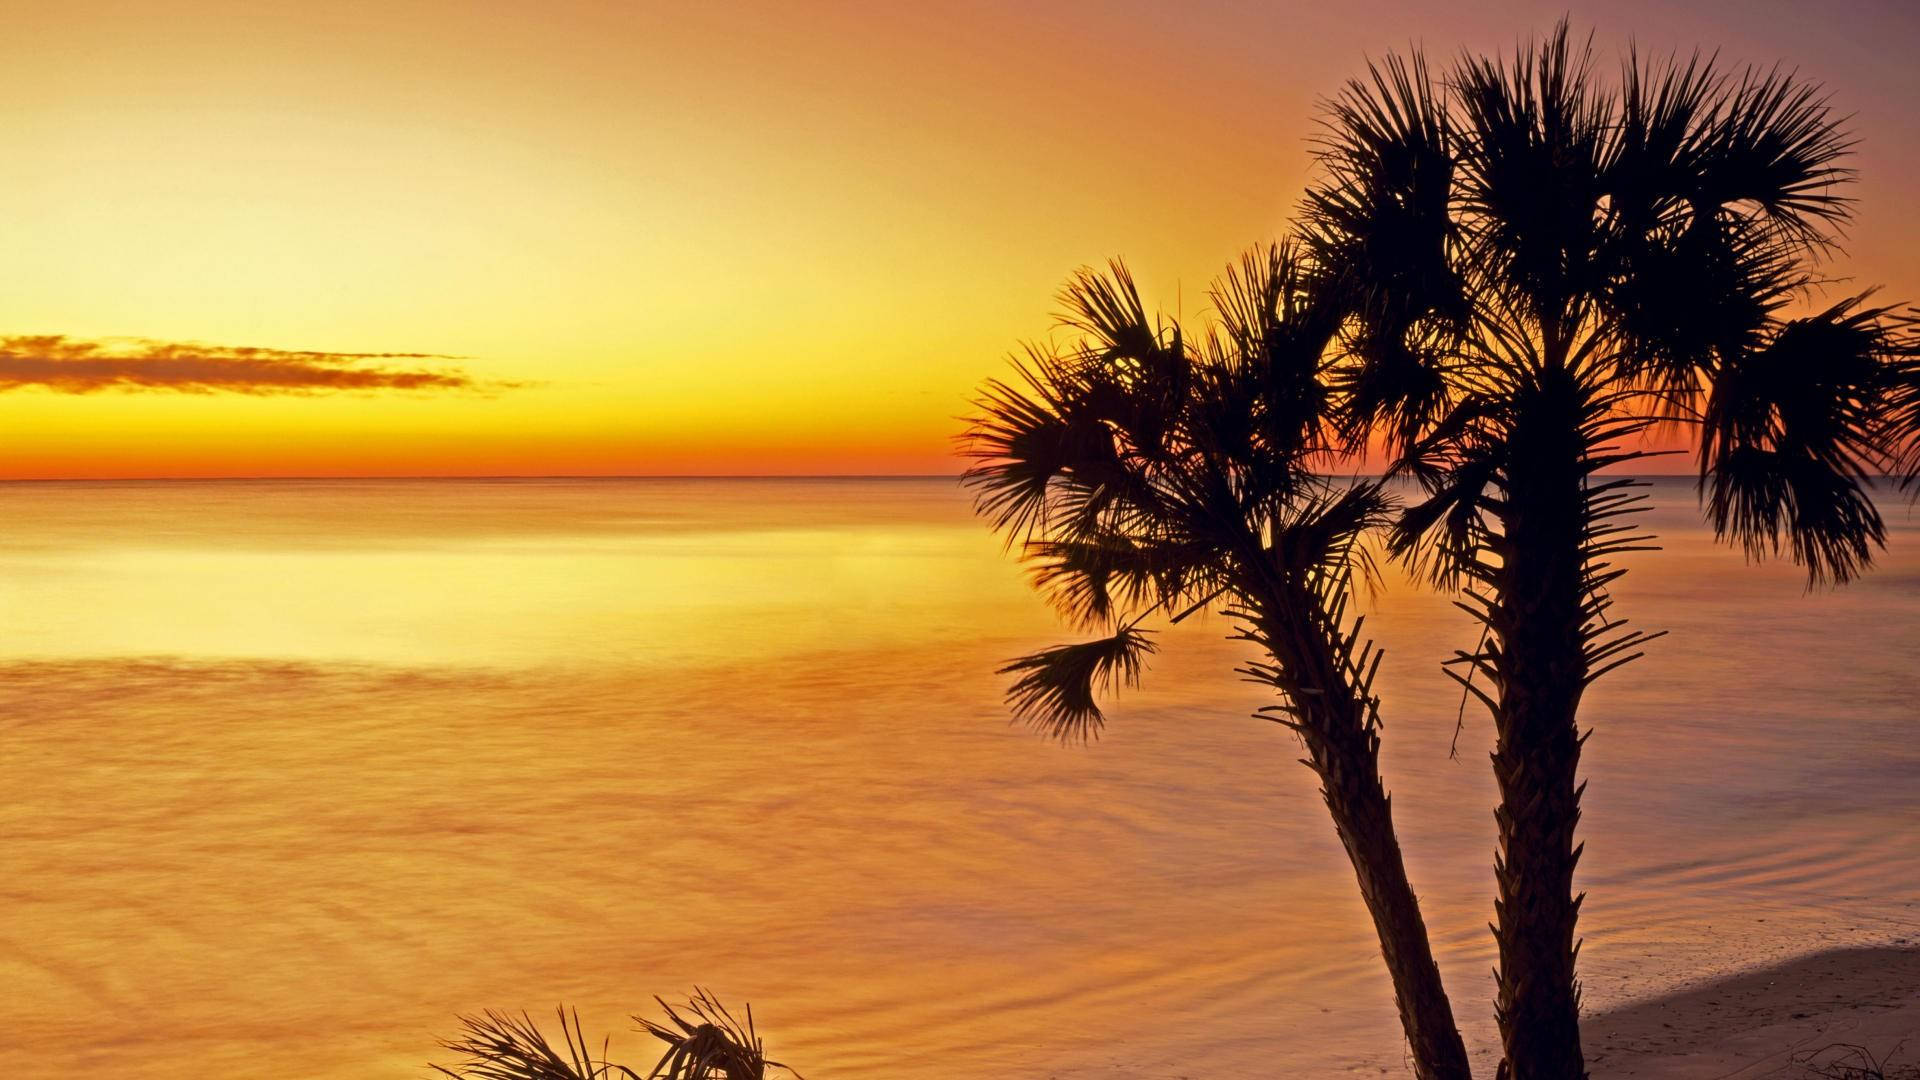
(1145, 474)
(704, 1043)
(1539, 267)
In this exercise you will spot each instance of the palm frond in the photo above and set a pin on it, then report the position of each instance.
(1770, 501)
(1534, 135)
(1792, 430)
(1380, 225)
(1320, 536)
(1087, 577)
(502, 1046)
(1440, 537)
(1056, 690)
(1279, 315)
(1026, 438)
(1254, 294)
(1379, 215)
(1718, 187)
(1900, 433)
(1107, 307)
(707, 1042)
(1775, 145)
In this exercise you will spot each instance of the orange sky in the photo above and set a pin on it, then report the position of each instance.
(725, 238)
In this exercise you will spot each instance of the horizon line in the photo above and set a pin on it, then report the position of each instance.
(482, 476)
(582, 476)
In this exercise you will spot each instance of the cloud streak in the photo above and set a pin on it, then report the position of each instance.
(68, 366)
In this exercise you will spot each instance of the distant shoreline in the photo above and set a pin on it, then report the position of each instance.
(532, 478)
(502, 478)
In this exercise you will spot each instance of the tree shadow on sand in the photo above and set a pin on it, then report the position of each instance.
(1843, 1013)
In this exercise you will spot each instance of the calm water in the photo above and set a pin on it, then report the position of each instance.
(296, 771)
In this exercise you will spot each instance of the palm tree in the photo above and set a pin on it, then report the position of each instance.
(1145, 473)
(1538, 269)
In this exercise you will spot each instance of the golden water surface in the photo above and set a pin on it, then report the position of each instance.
(293, 772)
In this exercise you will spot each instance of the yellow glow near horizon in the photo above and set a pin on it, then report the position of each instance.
(753, 238)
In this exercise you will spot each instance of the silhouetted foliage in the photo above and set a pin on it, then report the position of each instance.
(1540, 266)
(704, 1043)
(1144, 473)
(1506, 276)
(1851, 1061)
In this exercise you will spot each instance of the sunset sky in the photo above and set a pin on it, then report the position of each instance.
(706, 238)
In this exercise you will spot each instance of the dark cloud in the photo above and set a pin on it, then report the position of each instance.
(67, 366)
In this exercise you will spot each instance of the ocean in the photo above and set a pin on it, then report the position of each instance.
(296, 771)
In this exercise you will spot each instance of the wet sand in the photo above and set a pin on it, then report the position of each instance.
(1770, 1022)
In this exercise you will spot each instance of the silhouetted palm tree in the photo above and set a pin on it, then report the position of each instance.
(1145, 473)
(1538, 269)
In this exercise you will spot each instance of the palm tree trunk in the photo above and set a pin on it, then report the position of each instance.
(1537, 617)
(1334, 719)
(1363, 816)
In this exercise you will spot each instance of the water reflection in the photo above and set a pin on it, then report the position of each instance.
(298, 770)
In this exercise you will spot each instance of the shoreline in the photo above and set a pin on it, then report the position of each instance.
(1766, 1022)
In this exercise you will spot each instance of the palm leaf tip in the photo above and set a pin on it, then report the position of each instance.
(708, 1042)
(502, 1046)
(1057, 688)
(704, 1043)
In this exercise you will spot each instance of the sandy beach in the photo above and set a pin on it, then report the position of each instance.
(1771, 1022)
